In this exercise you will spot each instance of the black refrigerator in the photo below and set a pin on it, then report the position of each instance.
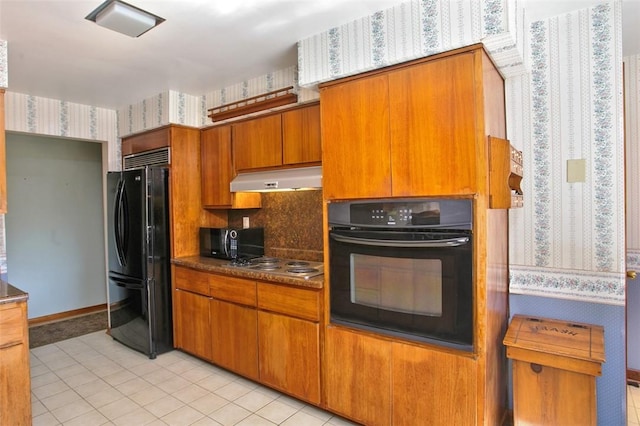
(139, 259)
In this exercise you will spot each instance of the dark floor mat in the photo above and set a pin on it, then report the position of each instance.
(45, 334)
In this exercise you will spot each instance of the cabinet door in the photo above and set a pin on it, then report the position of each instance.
(191, 323)
(355, 139)
(217, 172)
(235, 338)
(257, 143)
(436, 387)
(216, 166)
(358, 376)
(15, 380)
(301, 135)
(146, 141)
(433, 114)
(290, 355)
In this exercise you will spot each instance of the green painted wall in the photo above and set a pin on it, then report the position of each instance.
(55, 223)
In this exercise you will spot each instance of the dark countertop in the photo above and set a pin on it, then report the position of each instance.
(9, 293)
(221, 266)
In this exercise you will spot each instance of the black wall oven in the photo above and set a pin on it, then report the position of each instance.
(403, 267)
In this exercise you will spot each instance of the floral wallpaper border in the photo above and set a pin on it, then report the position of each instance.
(585, 286)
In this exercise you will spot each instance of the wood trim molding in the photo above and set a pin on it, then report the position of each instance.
(633, 375)
(66, 315)
(258, 103)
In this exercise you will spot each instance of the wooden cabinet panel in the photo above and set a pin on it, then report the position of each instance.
(234, 338)
(231, 289)
(192, 280)
(357, 376)
(436, 387)
(191, 323)
(217, 172)
(257, 143)
(355, 139)
(146, 141)
(433, 117)
(3, 158)
(413, 131)
(15, 378)
(301, 135)
(289, 355)
(297, 302)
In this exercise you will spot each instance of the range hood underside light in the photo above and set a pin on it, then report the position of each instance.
(278, 180)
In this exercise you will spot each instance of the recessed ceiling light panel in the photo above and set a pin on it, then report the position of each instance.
(124, 18)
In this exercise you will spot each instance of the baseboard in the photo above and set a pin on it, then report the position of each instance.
(633, 375)
(66, 315)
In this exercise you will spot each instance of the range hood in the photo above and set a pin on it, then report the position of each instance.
(278, 180)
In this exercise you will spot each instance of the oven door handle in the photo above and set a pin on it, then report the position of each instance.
(450, 242)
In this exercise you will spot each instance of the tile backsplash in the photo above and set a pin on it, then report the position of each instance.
(292, 223)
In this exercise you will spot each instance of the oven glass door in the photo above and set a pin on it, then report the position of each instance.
(416, 285)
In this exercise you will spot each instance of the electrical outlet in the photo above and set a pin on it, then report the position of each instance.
(245, 222)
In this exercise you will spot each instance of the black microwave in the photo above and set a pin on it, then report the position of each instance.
(229, 243)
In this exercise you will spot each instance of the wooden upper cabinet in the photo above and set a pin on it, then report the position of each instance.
(217, 172)
(413, 130)
(301, 135)
(433, 124)
(355, 138)
(154, 139)
(288, 138)
(3, 158)
(257, 143)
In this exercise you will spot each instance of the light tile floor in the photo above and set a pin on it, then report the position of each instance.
(633, 405)
(93, 380)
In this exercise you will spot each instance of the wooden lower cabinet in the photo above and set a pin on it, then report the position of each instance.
(357, 376)
(191, 322)
(234, 338)
(15, 380)
(436, 387)
(289, 355)
(378, 382)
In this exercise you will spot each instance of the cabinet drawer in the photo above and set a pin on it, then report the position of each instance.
(234, 290)
(192, 280)
(11, 326)
(297, 302)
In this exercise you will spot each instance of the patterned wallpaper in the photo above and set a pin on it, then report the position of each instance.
(51, 117)
(632, 131)
(568, 242)
(4, 72)
(411, 30)
(189, 110)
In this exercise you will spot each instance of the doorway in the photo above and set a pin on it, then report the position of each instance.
(54, 227)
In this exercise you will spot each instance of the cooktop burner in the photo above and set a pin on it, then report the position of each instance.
(283, 267)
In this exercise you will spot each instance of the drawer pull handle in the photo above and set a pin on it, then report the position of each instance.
(536, 368)
(10, 344)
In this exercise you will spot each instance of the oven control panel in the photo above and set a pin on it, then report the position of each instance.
(402, 213)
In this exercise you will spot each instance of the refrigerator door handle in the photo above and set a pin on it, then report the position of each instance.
(120, 224)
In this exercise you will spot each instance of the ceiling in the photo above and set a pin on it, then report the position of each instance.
(203, 45)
